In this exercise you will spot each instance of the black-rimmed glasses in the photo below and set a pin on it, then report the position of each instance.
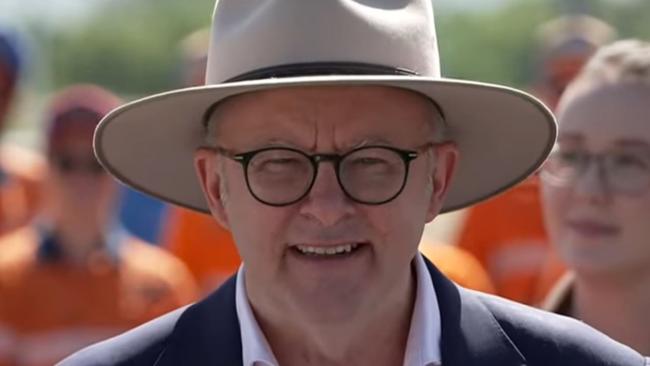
(280, 176)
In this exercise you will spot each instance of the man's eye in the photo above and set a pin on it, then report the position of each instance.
(278, 165)
(283, 161)
(369, 161)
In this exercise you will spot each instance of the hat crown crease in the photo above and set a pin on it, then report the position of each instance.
(248, 35)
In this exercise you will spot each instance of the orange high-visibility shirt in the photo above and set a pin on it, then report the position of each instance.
(459, 266)
(507, 235)
(21, 174)
(50, 308)
(207, 249)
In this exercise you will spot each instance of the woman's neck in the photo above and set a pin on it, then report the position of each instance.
(617, 306)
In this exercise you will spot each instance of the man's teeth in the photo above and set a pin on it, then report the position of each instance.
(320, 250)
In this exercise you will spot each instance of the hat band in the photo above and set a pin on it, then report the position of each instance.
(321, 69)
(312, 69)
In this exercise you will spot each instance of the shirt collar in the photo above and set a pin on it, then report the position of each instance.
(49, 248)
(422, 347)
(256, 350)
(423, 344)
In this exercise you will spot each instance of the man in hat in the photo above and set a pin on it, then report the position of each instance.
(324, 140)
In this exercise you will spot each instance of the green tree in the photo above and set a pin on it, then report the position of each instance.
(128, 46)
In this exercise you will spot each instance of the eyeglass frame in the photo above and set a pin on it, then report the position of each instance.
(315, 159)
(603, 174)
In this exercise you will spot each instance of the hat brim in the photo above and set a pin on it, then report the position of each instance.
(503, 134)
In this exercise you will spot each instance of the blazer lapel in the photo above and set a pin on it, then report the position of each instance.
(470, 333)
(207, 333)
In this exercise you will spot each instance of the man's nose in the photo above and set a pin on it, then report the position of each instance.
(326, 201)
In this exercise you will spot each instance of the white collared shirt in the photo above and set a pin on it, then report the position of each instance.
(422, 347)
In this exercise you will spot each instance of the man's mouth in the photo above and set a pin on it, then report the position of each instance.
(329, 251)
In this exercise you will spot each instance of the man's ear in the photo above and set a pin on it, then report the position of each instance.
(206, 165)
(446, 160)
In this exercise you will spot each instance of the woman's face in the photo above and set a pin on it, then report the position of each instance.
(596, 187)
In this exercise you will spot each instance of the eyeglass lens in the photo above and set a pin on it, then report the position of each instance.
(625, 171)
(371, 175)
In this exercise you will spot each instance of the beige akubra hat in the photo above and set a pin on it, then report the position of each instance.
(503, 134)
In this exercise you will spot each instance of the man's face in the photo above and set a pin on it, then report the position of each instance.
(384, 237)
(78, 187)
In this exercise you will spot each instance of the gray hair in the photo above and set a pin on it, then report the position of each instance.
(439, 125)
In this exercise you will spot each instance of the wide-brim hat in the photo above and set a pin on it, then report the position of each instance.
(503, 134)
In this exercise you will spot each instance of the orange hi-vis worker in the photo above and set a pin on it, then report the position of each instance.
(72, 277)
(21, 174)
(49, 309)
(207, 249)
(459, 265)
(507, 235)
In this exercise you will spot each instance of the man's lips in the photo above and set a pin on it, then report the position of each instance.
(330, 250)
(591, 228)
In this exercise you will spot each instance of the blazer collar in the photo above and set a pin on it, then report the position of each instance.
(208, 332)
(470, 333)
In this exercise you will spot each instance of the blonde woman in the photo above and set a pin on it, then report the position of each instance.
(596, 192)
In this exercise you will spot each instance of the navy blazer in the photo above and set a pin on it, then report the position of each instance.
(477, 329)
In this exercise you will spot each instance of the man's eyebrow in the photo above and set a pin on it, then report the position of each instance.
(282, 142)
(364, 142)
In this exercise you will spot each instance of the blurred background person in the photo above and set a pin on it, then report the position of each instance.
(507, 233)
(20, 170)
(596, 190)
(567, 43)
(73, 276)
(564, 45)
